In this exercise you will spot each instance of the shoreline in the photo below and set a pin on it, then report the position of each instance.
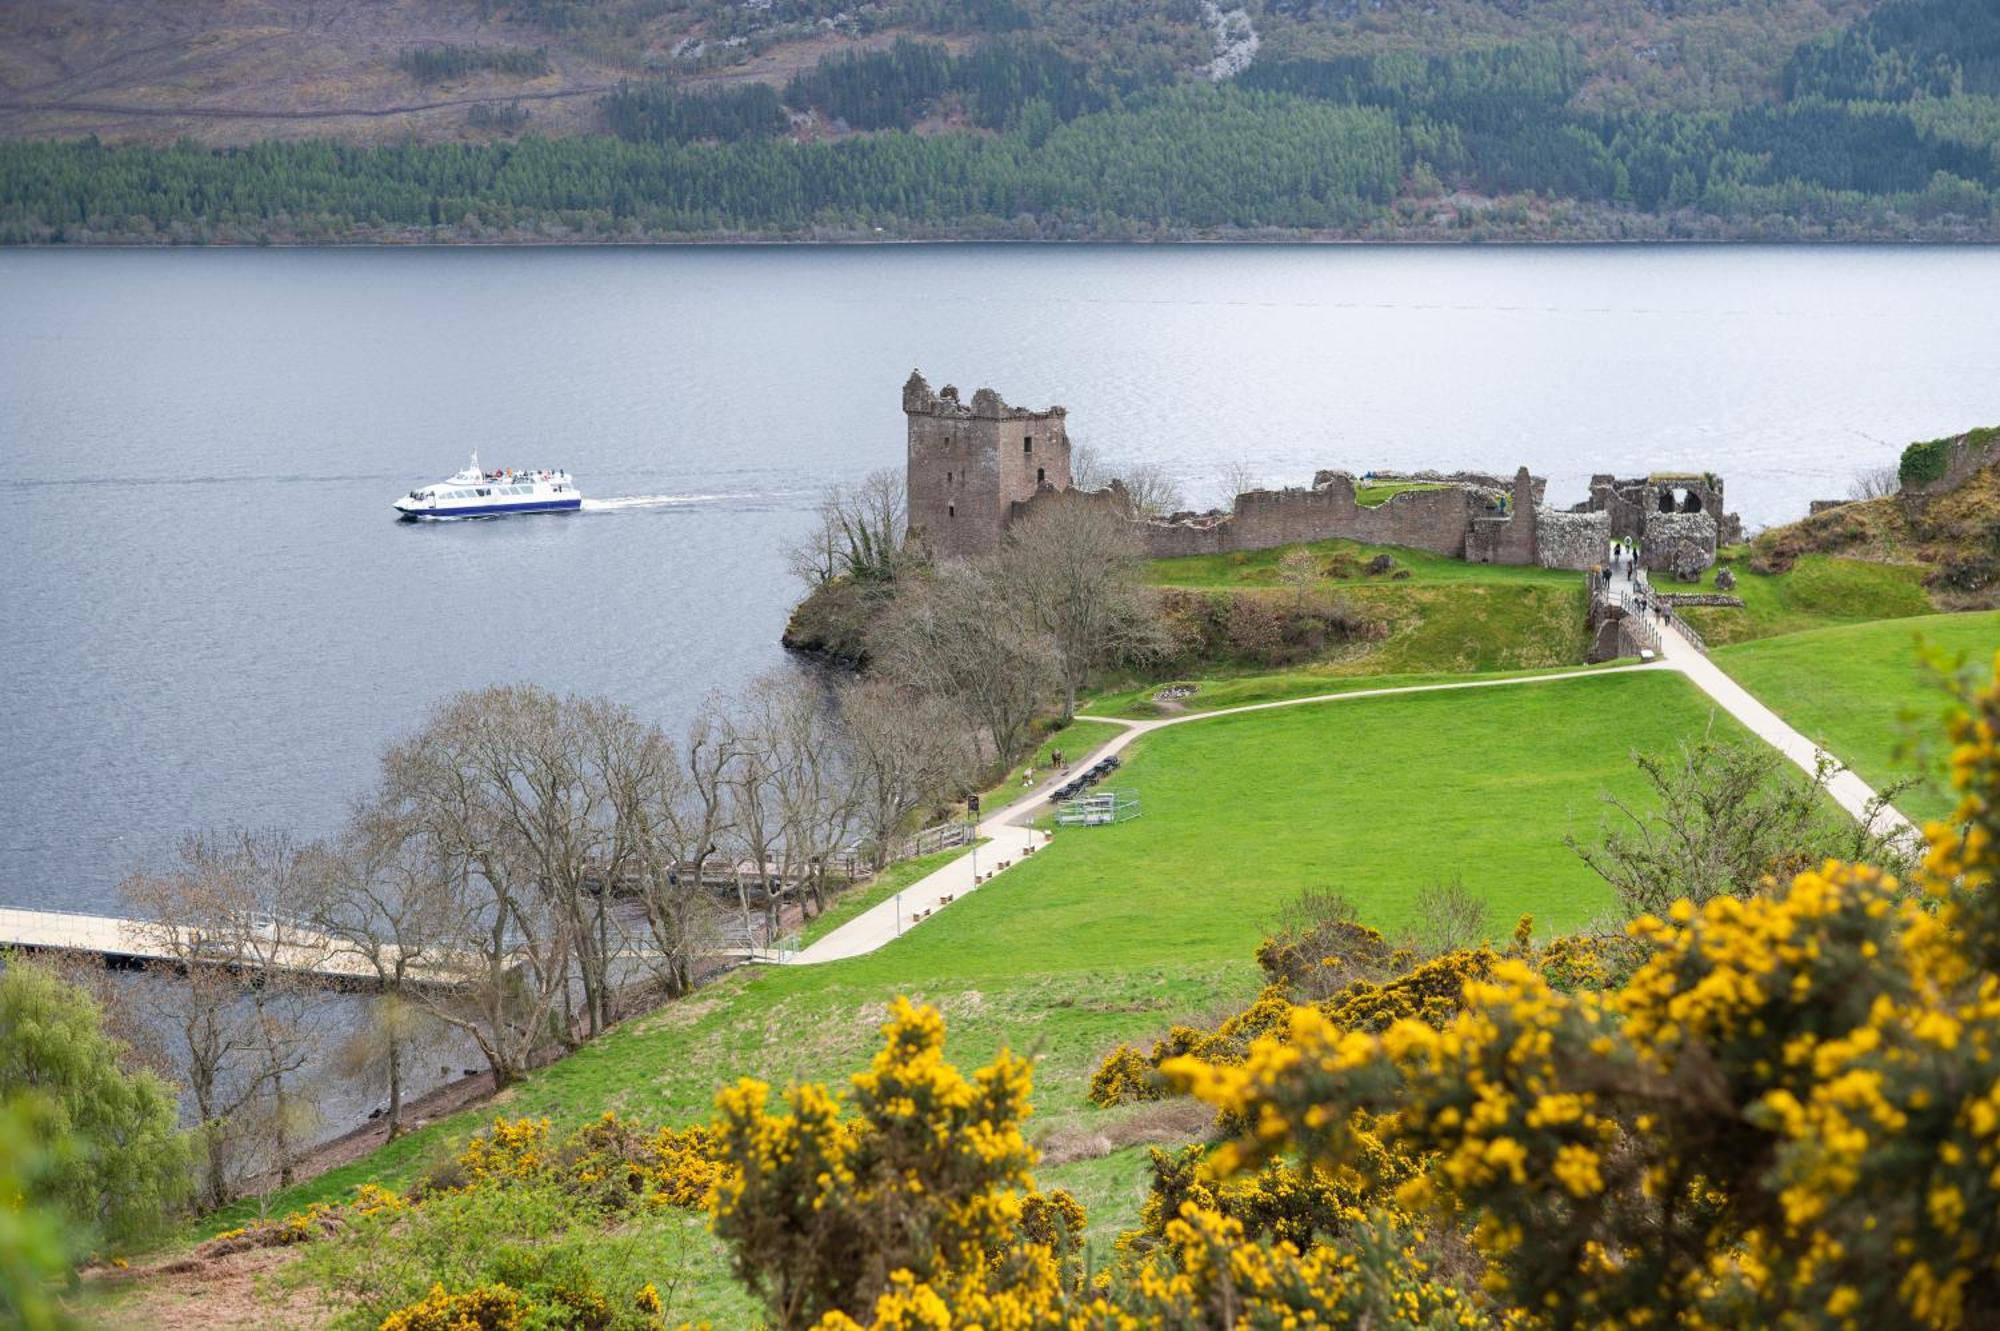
(1303, 240)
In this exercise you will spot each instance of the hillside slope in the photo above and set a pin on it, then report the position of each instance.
(631, 120)
(241, 71)
(1946, 523)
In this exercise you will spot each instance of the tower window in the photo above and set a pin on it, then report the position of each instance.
(1028, 444)
(951, 510)
(947, 478)
(1041, 474)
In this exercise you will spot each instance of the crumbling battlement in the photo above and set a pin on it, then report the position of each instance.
(976, 468)
(1634, 503)
(972, 464)
(1436, 520)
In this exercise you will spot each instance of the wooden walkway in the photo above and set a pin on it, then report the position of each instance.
(295, 949)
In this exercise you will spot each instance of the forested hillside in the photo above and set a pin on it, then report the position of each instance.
(1459, 119)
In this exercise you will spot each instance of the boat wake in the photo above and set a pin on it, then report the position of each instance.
(624, 502)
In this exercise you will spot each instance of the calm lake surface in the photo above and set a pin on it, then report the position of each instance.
(210, 617)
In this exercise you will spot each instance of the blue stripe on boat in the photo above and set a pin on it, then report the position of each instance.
(489, 510)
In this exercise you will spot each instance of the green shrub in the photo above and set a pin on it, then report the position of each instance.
(116, 1163)
(1925, 462)
(558, 1249)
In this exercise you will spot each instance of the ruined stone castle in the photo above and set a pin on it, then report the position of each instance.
(976, 468)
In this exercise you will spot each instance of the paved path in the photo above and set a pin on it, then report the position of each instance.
(1009, 840)
(1850, 791)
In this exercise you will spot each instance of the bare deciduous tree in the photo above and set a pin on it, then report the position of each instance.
(1151, 493)
(909, 751)
(815, 797)
(379, 897)
(686, 820)
(857, 532)
(1233, 478)
(1298, 569)
(1086, 469)
(959, 637)
(1449, 917)
(1073, 568)
(1876, 482)
(498, 928)
(231, 992)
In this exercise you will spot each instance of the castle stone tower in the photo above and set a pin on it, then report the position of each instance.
(970, 464)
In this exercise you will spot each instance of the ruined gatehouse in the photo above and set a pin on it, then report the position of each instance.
(976, 468)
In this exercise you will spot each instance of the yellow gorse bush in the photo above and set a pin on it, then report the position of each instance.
(916, 1181)
(487, 1308)
(611, 1160)
(1788, 1115)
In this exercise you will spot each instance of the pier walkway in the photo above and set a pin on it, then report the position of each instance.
(292, 948)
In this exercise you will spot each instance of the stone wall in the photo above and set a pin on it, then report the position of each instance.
(975, 467)
(1434, 520)
(1613, 632)
(1677, 543)
(1571, 540)
(1636, 501)
(1965, 459)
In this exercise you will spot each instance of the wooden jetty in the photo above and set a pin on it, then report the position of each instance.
(292, 948)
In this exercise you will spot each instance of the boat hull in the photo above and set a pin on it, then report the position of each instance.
(565, 505)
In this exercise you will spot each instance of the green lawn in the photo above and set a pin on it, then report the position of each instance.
(1857, 689)
(1820, 591)
(1217, 692)
(1374, 494)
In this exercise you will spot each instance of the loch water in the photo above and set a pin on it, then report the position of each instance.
(208, 616)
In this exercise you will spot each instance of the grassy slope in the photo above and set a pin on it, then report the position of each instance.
(1820, 591)
(1140, 702)
(1446, 618)
(180, 58)
(1115, 933)
(1259, 568)
(1852, 687)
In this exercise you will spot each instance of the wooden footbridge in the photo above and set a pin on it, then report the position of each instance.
(292, 948)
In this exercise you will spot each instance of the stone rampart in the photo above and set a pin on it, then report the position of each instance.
(1571, 540)
(1678, 544)
(976, 467)
(1434, 520)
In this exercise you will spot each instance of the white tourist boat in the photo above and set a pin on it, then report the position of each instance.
(477, 493)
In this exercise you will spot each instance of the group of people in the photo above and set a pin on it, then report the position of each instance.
(1625, 563)
(1057, 763)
